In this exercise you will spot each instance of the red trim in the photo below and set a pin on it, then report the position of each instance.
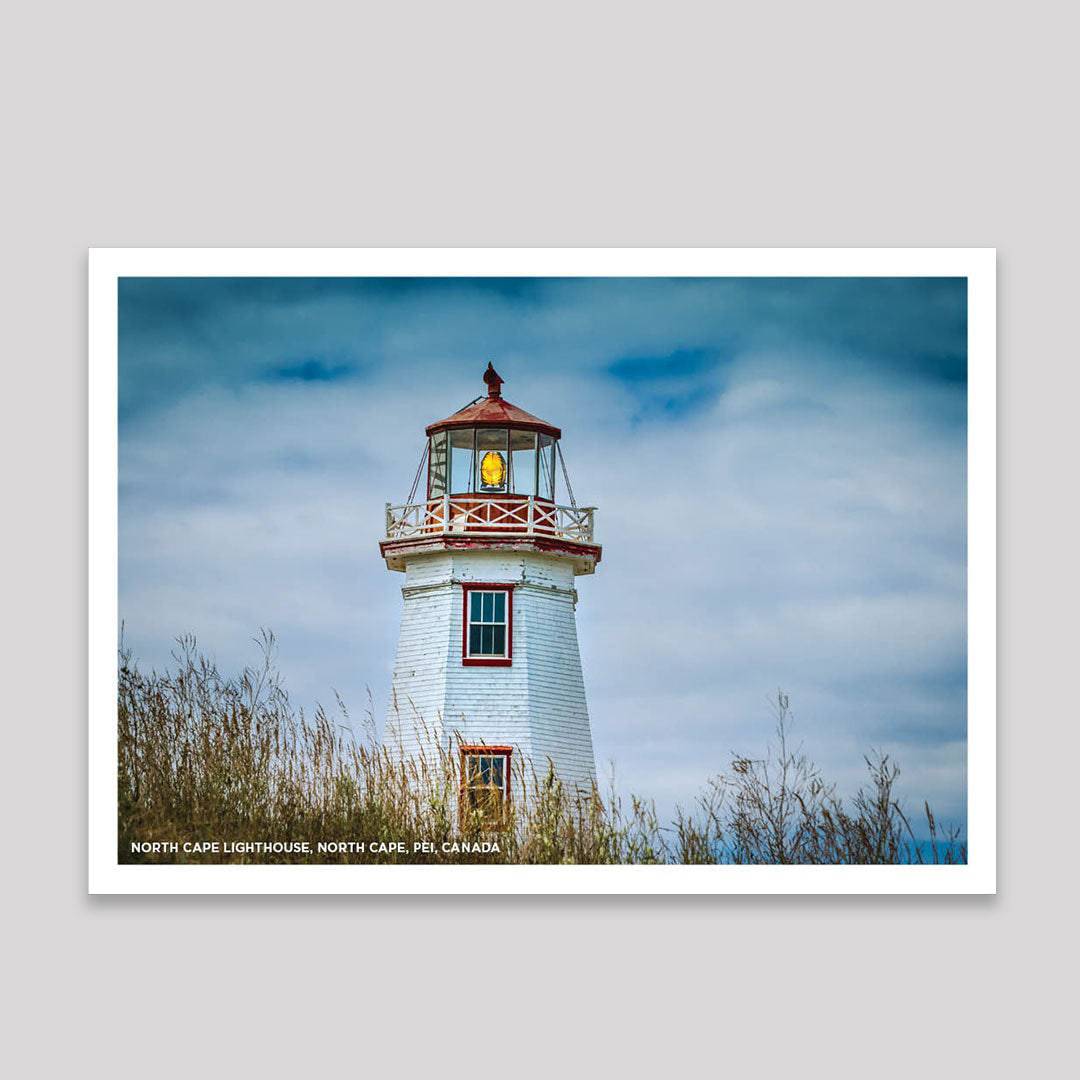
(487, 586)
(489, 542)
(517, 425)
(489, 497)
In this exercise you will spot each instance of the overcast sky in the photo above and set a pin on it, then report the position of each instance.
(779, 467)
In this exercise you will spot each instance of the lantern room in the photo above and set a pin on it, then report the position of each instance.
(492, 448)
(492, 471)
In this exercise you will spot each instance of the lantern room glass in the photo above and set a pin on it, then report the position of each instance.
(491, 461)
(523, 462)
(437, 466)
(546, 477)
(462, 452)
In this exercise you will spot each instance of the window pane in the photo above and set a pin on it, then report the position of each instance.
(461, 459)
(474, 641)
(498, 640)
(485, 791)
(475, 600)
(437, 466)
(547, 467)
(487, 639)
(500, 607)
(491, 439)
(488, 602)
(523, 462)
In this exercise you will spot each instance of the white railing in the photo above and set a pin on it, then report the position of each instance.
(490, 514)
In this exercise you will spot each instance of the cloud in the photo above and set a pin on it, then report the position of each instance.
(779, 469)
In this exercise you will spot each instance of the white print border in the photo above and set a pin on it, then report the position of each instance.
(978, 265)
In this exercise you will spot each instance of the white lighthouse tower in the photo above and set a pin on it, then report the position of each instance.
(488, 665)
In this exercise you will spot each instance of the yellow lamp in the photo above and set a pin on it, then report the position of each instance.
(492, 469)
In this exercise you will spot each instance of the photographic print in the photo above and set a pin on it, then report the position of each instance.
(542, 571)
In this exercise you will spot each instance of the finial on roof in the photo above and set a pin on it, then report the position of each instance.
(494, 381)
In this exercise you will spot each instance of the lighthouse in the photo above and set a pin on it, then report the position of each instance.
(488, 668)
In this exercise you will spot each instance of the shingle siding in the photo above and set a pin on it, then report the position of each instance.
(536, 705)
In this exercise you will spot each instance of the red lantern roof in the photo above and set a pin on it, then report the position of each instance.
(493, 411)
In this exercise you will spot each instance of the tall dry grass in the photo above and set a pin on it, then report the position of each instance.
(206, 757)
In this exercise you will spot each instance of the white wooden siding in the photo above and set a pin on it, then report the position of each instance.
(536, 705)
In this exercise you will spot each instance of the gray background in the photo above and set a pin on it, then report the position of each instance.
(822, 124)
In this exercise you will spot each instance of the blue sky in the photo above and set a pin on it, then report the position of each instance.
(779, 467)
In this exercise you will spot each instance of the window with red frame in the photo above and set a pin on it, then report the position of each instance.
(485, 781)
(487, 626)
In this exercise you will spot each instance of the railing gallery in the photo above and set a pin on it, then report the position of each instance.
(489, 514)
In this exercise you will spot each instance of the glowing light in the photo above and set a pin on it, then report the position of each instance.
(492, 469)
